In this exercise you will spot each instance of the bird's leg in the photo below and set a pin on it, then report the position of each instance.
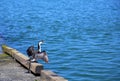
(29, 71)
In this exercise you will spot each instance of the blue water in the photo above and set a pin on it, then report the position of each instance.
(82, 37)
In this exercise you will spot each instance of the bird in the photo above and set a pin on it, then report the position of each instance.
(37, 54)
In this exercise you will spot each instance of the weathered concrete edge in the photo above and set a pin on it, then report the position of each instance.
(21, 58)
(46, 75)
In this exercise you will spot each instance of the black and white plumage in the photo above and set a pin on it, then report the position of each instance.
(37, 54)
(39, 45)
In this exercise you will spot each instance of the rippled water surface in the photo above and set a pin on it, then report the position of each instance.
(82, 37)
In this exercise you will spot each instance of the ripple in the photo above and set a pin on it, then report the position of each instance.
(82, 40)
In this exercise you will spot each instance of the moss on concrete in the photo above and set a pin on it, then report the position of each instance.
(5, 59)
(2, 56)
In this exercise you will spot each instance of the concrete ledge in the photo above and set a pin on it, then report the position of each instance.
(35, 67)
(47, 75)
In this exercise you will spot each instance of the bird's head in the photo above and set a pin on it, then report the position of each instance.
(41, 42)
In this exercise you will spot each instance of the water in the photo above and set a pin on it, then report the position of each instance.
(81, 36)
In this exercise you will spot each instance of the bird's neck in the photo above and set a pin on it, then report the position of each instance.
(39, 47)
